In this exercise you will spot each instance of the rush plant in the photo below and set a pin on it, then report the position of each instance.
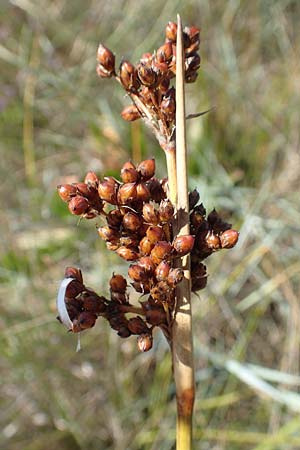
(156, 225)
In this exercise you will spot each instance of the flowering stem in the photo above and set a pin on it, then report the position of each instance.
(182, 342)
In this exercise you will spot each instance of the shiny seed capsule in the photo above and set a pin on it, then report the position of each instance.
(229, 238)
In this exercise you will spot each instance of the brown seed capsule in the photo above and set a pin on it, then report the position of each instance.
(118, 283)
(119, 297)
(114, 218)
(142, 192)
(106, 59)
(147, 75)
(137, 273)
(87, 191)
(166, 211)
(113, 245)
(73, 272)
(155, 234)
(212, 241)
(147, 168)
(86, 320)
(74, 288)
(175, 276)
(94, 303)
(108, 234)
(192, 63)
(194, 198)
(193, 33)
(142, 287)
(150, 214)
(156, 190)
(124, 332)
(168, 108)
(147, 264)
(127, 193)
(162, 271)
(66, 191)
(145, 246)
(130, 113)
(144, 342)
(78, 205)
(229, 238)
(162, 250)
(137, 325)
(164, 53)
(184, 244)
(73, 310)
(91, 179)
(146, 58)
(156, 316)
(128, 76)
(129, 241)
(108, 189)
(161, 292)
(127, 254)
(131, 221)
(171, 31)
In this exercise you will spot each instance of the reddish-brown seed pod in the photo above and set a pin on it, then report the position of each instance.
(114, 218)
(136, 272)
(184, 244)
(162, 250)
(66, 191)
(164, 53)
(192, 63)
(161, 292)
(127, 253)
(156, 316)
(150, 214)
(108, 234)
(118, 283)
(137, 325)
(147, 264)
(161, 68)
(175, 276)
(146, 58)
(131, 221)
(108, 189)
(106, 59)
(73, 310)
(92, 180)
(156, 190)
(130, 113)
(101, 72)
(78, 205)
(124, 332)
(212, 241)
(129, 241)
(93, 303)
(168, 108)
(155, 234)
(166, 211)
(193, 33)
(171, 31)
(127, 193)
(113, 245)
(86, 191)
(162, 271)
(73, 272)
(86, 320)
(147, 168)
(147, 75)
(229, 238)
(74, 288)
(142, 192)
(144, 342)
(143, 287)
(194, 198)
(145, 246)
(119, 297)
(164, 85)
(128, 76)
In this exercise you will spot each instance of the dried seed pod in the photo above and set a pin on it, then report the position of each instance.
(128, 76)
(144, 342)
(198, 283)
(124, 332)
(66, 191)
(78, 205)
(93, 303)
(129, 175)
(192, 63)
(108, 189)
(184, 244)
(137, 325)
(73, 272)
(119, 297)
(166, 211)
(193, 33)
(156, 316)
(194, 198)
(127, 193)
(137, 273)
(106, 59)
(150, 214)
(113, 245)
(74, 288)
(229, 238)
(130, 113)
(84, 321)
(171, 31)
(118, 283)
(87, 191)
(129, 241)
(147, 264)
(142, 287)
(175, 276)
(145, 246)
(162, 271)
(101, 72)
(147, 168)
(147, 75)
(157, 192)
(164, 53)
(114, 218)
(108, 234)
(146, 58)
(127, 253)
(168, 108)
(164, 85)
(131, 221)
(142, 192)
(161, 292)
(162, 250)
(155, 234)
(212, 241)
(92, 180)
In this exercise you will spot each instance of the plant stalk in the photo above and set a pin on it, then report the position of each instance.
(182, 338)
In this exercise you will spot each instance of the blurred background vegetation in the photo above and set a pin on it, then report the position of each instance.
(57, 122)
